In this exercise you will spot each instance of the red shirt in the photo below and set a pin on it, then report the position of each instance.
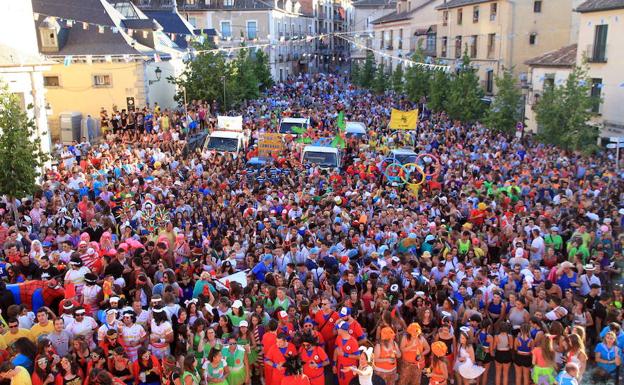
(315, 356)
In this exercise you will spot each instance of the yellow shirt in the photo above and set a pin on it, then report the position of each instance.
(22, 377)
(38, 330)
(9, 337)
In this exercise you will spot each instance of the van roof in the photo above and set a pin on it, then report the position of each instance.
(403, 151)
(226, 134)
(320, 149)
(295, 120)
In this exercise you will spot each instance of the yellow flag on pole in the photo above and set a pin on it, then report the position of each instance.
(403, 120)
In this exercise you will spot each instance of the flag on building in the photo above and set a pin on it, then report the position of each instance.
(68, 60)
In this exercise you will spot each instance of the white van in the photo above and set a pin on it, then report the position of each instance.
(225, 141)
(356, 129)
(287, 124)
(325, 157)
(402, 156)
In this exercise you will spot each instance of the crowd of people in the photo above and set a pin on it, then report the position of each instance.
(144, 262)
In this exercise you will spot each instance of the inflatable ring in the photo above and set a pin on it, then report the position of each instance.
(398, 178)
(416, 167)
(422, 157)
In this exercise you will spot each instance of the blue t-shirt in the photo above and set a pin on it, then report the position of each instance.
(260, 270)
(608, 355)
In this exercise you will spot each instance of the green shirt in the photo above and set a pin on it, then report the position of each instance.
(554, 240)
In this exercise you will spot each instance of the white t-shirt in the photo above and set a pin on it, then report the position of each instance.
(540, 246)
(586, 282)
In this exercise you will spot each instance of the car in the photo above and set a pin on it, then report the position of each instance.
(402, 156)
(356, 129)
(288, 124)
(326, 157)
(226, 141)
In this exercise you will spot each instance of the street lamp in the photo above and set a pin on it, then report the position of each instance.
(224, 107)
(158, 72)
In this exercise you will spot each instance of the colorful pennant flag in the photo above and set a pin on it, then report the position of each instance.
(157, 58)
(85, 25)
(68, 60)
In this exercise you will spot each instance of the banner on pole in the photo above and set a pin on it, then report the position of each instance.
(403, 120)
(230, 123)
(269, 143)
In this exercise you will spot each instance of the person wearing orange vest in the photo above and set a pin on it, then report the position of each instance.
(314, 359)
(276, 357)
(326, 319)
(438, 372)
(387, 354)
(414, 349)
(346, 354)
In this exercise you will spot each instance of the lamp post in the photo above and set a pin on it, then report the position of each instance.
(224, 105)
(158, 73)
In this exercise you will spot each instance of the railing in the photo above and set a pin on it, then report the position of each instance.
(596, 53)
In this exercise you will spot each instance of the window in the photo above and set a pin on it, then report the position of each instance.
(102, 81)
(383, 38)
(460, 16)
(193, 21)
(51, 81)
(458, 46)
(596, 89)
(228, 3)
(537, 6)
(489, 81)
(491, 45)
(226, 29)
(475, 14)
(473, 46)
(444, 45)
(400, 43)
(493, 11)
(532, 38)
(445, 15)
(598, 53)
(431, 43)
(252, 29)
(549, 81)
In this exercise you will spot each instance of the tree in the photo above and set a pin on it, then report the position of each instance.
(367, 75)
(355, 73)
(506, 109)
(563, 113)
(417, 78)
(262, 69)
(438, 89)
(397, 79)
(380, 81)
(21, 157)
(464, 95)
(242, 83)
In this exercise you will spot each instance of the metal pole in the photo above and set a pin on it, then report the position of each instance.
(224, 105)
(617, 154)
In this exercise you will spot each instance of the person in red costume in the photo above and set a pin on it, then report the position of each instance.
(326, 319)
(346, 353)
(269, 340)
(308, 327)
(314, 359)
(355, 329)
(294, 372)
(276, 357)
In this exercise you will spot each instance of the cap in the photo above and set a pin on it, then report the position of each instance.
(589, 267)
(237, 304)
(345, 312)
(282, 314)
(342, 325)
(429, 237)
(243, 324)
(90, 278)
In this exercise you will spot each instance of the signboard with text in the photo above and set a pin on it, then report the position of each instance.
(270, 143)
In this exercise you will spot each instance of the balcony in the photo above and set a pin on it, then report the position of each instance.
(596, 53)
(388, 47)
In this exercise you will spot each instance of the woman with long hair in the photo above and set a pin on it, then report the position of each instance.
(190, 376)
(257, 332)
(42, 374)
(97, 362)
(120, 365)
(69, 372)
(387, 354)
(543, 360)
(171, 373)
(523, 344)
(502, 346)
(465, 368)
(445, 336)
(608, 355)
(414, 349)
(294, 374)
(146, 369)
(25, 352)
(364, 372)
(576, 352)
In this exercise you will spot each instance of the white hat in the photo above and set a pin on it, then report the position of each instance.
(243, 323)
(621, 211)
(589, 267)
(237, 304)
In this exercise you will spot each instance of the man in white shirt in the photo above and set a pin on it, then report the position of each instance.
(83, 325)
(588, 279)
(538, 246)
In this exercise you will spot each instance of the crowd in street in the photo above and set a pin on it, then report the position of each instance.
(145, 262)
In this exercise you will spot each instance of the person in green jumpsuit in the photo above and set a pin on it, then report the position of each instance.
(236, 357)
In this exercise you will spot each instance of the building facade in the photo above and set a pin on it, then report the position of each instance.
(283, 25)
(106, 55)
(364, 13)
(499, 34)
(21, 66)
(548, 70)
(335, 18)
(600, 46)
(410, 27)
